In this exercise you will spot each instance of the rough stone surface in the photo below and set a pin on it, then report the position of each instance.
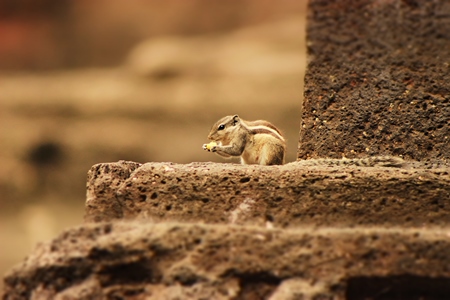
(199, 261)
(301, 194)
(101, 203)
(377, 82)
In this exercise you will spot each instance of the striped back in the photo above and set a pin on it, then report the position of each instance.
(263, 127)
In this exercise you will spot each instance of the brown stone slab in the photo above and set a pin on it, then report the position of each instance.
(102, 183)
(291, 195)
(137, 260)
(377, 81)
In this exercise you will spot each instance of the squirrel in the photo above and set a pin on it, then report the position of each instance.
(256, 142)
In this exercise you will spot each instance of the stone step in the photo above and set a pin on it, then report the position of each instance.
(312, 192)
(203, 261)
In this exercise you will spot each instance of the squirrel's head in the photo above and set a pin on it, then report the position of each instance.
(224, 130)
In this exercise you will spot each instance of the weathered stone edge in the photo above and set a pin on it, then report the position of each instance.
(289, 195)
(185, 256)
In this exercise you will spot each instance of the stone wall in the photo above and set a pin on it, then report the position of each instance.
(377, 80)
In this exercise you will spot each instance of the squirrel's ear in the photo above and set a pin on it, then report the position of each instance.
(235, 119)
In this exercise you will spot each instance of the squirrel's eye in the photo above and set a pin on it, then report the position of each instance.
(221, 127)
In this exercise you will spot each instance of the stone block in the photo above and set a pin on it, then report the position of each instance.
(377, 80)
(312, 192)
(135, 260)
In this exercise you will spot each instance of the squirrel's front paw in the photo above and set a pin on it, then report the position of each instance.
(210, 147)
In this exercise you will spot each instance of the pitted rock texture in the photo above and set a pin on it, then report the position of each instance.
(377, 82)
(98, 195)
(291, 195)
(135, 260)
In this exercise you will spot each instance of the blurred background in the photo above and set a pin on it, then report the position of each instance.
(84, 82)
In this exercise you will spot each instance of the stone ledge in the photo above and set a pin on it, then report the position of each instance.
(201, 261)
(291, 195)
